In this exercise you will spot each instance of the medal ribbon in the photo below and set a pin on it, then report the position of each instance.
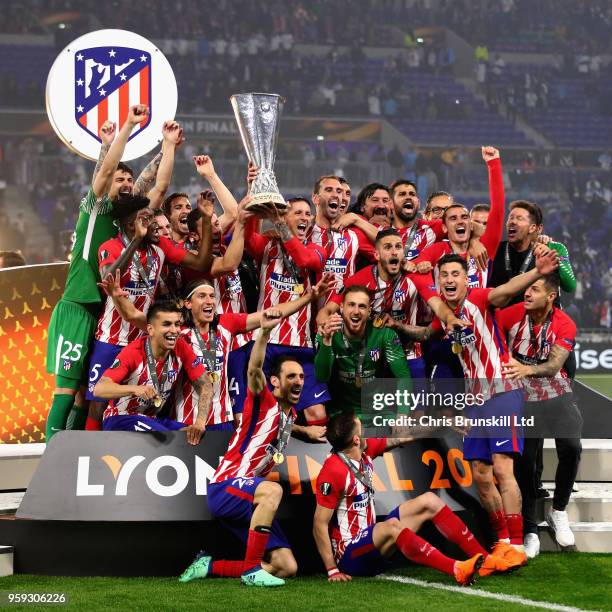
(525, 263)
(387, 300)
(285, 423)
(290, 265)
(361, 358)
(209, 355)
(411, 235)
(539, 346)
(362, 476)
(152, 366)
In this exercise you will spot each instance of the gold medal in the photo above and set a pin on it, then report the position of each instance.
(298, 289)
(157, 402)
(213, 377)
(278, 458)
(456, 348)
(358, 382)
(378, 321)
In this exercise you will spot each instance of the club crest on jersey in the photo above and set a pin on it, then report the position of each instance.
(171, 375)
(107, 81)
(399, 295)
(375, 354)
(67, 364)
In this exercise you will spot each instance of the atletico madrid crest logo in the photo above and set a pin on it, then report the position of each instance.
(98, 77)
(108, 80)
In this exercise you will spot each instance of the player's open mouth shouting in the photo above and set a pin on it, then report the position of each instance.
(183, 222)
(301, 229)
(170, 339)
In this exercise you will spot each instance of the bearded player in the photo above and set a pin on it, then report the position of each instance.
(351, 542)
(483, 352)
(74, 318)
(238, 493)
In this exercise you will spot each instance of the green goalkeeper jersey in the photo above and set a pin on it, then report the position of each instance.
(94, 226)
(339, 364)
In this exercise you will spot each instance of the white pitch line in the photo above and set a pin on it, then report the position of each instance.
(485, 594)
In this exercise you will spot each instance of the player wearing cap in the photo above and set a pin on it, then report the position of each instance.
(482, 351)
(144, 373)
(238, 493)
(74, 318)
(540, 338)
(351, 542)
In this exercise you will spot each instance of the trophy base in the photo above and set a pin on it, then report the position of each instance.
(266, 197)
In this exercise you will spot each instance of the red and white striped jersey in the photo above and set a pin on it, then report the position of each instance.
(277, 285)
(185, 405)
(341, 250)
(111, 327)
(561, 330)
(401, 298)
(248, 453)
(131, 368)
(428, 233)
(339, 490)
(477, 278)
(484, 348)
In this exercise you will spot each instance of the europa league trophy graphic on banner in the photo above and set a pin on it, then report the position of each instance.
(258, 118)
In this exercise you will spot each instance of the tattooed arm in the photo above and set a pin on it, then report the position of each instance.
(548, 369)
(204, 388)
(159, 170)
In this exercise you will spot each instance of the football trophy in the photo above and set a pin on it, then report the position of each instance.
(258, 118)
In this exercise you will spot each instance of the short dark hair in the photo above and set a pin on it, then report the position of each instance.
(158, 212)
(167, 203)
(192, 219)
(162, 306)
(368, 192)
(535, 212)
(12, 259)
(127, 205)
(124, 168)
(291, 201)
(340, 430)
(437, 194)
(277, 364)
(480, 208)
(399, 182)
(342, 180)
(318, 182)
(457, 205)
(388, 231)
(552, 281)
(453, 258)
(356, 289)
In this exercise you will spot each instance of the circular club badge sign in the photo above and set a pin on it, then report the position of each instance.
(97, 77)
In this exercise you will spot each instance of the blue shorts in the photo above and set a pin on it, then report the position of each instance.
(506, 437)
(440, 360)
(102, 356)
(231, 501)
(139, 422)
(361, 557)
(237, 362)
(417, 371)
(314, 392)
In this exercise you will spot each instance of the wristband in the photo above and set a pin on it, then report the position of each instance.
(332, 571)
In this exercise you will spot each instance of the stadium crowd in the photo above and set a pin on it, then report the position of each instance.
(153, 333)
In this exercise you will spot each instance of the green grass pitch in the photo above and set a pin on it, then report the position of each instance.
(578, 580)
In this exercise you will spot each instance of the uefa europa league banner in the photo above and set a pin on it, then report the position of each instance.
(27, 297)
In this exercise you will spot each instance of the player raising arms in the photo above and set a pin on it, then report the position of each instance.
(142, 377)
(352, 543)
(482, 352)
(74, 318)
(238, 491)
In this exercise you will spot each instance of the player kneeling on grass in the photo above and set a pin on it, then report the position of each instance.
(239, 493)
(350, 541)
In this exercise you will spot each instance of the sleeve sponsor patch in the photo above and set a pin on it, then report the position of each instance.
(115, 364)
(325, 488)
(104, 254)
